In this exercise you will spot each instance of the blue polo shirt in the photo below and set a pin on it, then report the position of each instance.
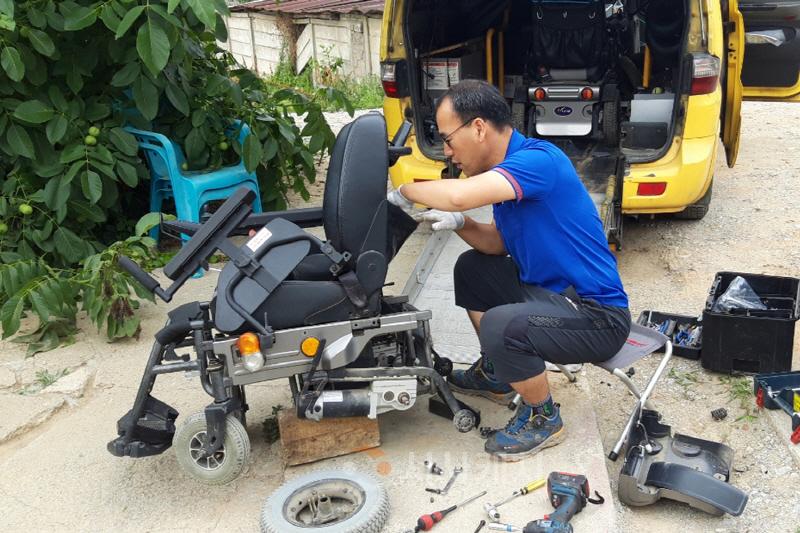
(552, 229)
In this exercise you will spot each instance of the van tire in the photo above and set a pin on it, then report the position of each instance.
(697, 210)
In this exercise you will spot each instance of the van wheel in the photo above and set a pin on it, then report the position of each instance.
(697, 210)
(610, 123)
(518, 116)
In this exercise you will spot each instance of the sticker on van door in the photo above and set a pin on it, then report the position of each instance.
(563, 111)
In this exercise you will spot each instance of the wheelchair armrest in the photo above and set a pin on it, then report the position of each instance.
(307, 217)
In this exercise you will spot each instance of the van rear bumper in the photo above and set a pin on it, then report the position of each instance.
(687, 169)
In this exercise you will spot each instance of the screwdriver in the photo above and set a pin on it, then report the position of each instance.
(524, 490)
(427, 521)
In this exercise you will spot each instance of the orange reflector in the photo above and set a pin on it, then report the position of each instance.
(309, 346)
(587, 93)
(539, 94)
(248, 344)
(652, 189)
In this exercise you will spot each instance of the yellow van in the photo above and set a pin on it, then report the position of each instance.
(636, 92)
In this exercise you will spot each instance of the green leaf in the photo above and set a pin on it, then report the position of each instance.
(79, 18)
(127, 173)
(126, 75)
(170, 6)
(205, 12)
(220, 30)
(178, 99)
(145, 95)
(102, 154)
(198, 117)
(56, 193)
(194, 145)
(67, 178)
(148, 222)
(33, 111)
(56, 128)
(152, 44)
(109, 18)
(124, 141)
(251, 153)
(72, 247)
(20, 141)
(7, 23)
(129, 18)
(12, 63)
(10, 315)
(39, 305)
(41, 42)
(161, 12)
(7, 7)
(92, 186)
(270, 148)
(74, 81)
(96, 111)
(72, 153)
(57, 99)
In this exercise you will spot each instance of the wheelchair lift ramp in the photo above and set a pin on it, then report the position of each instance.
(430, 286)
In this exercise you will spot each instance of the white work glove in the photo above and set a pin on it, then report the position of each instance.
(396, 197)
(442, 220)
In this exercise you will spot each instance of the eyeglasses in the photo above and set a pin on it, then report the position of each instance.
(448, 137)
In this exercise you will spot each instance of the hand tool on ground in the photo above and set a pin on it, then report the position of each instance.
(568, 493)
(497, 526)
(433, 468)
(492, 511)
(456, 471)
(480, 526)
(427, 521)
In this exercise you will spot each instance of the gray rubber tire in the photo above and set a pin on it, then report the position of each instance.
(697, 210)
(236, 450)
(369, 518)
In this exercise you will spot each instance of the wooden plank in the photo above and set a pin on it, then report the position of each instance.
(305, 441)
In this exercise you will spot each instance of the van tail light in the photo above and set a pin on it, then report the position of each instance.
(539, 94)
(705, 73)
(651, 189)
(394, 79)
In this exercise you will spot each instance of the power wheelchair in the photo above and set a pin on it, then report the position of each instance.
(291, 306)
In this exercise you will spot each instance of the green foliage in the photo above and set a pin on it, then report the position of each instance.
(365, 93)
(44, 378)
(72, 74)
(54, 296)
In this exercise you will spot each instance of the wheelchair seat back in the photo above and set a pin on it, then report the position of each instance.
(355, 220)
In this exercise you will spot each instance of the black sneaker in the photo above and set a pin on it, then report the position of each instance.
(526, 434)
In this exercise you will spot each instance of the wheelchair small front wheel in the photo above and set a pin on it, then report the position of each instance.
(464, 420)
(443, 366)
(223, 466)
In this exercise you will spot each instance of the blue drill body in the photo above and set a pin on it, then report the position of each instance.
(568, 494)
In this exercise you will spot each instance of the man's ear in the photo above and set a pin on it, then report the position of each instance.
(481, 127)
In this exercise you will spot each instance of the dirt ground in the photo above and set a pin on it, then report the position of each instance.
(58, 477)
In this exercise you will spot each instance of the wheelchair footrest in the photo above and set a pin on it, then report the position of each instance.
(150, 434)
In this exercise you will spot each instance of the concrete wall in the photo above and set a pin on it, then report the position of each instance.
(254, 39)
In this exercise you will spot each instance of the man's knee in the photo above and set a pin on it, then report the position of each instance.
(504, 341)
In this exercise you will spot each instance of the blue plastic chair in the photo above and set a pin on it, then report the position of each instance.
(190, 189)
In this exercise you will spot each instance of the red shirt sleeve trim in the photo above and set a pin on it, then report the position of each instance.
(507, 175)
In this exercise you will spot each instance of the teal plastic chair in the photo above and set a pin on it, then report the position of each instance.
(191, 190)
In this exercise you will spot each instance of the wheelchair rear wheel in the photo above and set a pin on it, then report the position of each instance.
(222, 467)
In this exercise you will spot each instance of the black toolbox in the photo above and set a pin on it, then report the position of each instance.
(646, 318)
(751, 341)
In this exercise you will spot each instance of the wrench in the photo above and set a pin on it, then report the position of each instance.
(456, 471)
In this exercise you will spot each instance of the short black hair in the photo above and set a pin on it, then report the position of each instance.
(478, 98)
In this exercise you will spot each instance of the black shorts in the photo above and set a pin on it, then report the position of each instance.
(525, 325)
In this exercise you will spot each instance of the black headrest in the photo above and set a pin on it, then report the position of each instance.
(354, 207)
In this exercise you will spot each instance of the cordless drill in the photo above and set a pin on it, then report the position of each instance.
(568, 493)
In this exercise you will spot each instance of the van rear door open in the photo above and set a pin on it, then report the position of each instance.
(763, 60)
